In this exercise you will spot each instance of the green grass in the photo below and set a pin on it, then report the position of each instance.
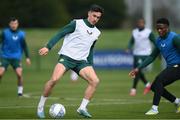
(109, 39)
(111, 101)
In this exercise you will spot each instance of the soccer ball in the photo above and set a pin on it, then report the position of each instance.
(57, 111)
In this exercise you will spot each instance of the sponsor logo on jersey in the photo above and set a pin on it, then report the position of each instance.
(90, 33)
(163, 45)
(14, 37)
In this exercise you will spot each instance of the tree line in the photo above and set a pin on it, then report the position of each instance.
(56, 13)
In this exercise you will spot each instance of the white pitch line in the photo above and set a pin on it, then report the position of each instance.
(30, 95)
(73, 105)
(95, 102)
(69, 105)
(34, 96)
(102, 100)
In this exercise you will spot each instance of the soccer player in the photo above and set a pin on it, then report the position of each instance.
(140, 44)
(168, 44)
(13, 44)
(76, 54)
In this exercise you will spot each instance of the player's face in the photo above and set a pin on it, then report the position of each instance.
(140, 24)
(162, 29)
(93, 17)
(14, 25)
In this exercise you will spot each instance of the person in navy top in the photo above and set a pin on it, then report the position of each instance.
(168, 44)
(12, 41)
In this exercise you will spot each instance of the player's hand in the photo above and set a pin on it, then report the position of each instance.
(28, 61)
(133, 73)
(43, 51)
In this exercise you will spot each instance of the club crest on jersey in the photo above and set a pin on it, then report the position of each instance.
(163, 45)
(14, 37)
(90, 33)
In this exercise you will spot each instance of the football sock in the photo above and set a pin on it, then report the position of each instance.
(84, 103)
(42, 102)
(155, 107)
(177, 101)
(20, 89)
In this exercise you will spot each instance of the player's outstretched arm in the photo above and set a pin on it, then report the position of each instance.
(69, 28)
(43, 51)
(145, 63)
(152, 38)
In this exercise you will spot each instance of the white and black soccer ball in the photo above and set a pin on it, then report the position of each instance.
(57, 111)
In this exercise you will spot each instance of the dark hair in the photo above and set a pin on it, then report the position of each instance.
(13, 19)
(96, 8)
(163, 21)
(140, 19)
(137, 20)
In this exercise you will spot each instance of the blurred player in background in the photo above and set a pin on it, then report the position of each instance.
(140, 44)
(76, 54)
(13, 44)
(168, 44)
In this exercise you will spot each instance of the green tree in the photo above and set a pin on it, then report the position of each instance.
(114, 11)
(56, 13)
(34, 13)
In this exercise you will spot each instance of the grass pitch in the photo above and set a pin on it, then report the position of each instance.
(111, 101)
